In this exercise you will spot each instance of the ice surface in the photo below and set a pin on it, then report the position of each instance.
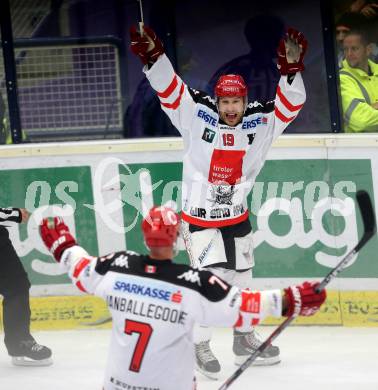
(313, 358)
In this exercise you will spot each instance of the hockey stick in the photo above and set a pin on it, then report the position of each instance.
(367, 213)
(141, 18)
(370, 228)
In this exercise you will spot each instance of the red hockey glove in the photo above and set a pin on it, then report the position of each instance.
(147, 47)
(56, 236)
(303, 300)
(291, 51)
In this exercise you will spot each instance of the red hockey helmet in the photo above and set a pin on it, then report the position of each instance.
(230, 85)
(160, 227)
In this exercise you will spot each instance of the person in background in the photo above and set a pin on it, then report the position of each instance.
(5, 133)
(14, 287)
(345, 23)
(154, 303)
(367, 8)
(356, 15)
(359, 84)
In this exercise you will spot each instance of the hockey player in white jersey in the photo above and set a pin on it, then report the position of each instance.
(226, 141)
(155, 303)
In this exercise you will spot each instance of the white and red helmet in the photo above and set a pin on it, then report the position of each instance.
(230, 85)
(160, 227)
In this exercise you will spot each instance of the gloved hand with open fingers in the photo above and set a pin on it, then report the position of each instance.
(291, 51)
(303, 300)
(148, 47)
(56, 236)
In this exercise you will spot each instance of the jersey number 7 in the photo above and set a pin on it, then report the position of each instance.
(144, 330)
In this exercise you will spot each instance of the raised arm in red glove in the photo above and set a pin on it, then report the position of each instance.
(56, 236)
(291, 51)
(147, 47)
(303, 300)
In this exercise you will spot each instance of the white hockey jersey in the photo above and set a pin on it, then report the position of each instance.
(154, 305)
(10, 214)
(221, 162)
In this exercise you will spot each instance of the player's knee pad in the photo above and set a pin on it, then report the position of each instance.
(207, 248)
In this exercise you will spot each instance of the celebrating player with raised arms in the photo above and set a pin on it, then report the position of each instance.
(226, 141)
(155, 303)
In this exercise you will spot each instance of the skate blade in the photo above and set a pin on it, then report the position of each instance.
(239, 360)
(27, 362)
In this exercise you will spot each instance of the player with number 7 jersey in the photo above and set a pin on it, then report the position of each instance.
(154, 303)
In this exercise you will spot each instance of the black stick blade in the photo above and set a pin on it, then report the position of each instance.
(367, 212)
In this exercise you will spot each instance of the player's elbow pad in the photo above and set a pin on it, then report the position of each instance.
(255, 306)
(75, 261)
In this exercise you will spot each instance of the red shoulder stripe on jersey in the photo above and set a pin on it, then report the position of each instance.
(226, 222)
(80, 286)
(172, 86)
(176, 103)
(286, 103)
(80, 266)
(281, 116)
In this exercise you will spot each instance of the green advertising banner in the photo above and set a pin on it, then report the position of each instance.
(45, 192)
(303, 213)
(314, 235)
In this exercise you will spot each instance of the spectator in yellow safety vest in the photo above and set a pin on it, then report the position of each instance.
(5, 133)
(359, 85)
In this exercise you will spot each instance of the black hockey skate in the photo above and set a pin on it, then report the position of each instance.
(247, 343)
(206, 362)
(30, 353)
